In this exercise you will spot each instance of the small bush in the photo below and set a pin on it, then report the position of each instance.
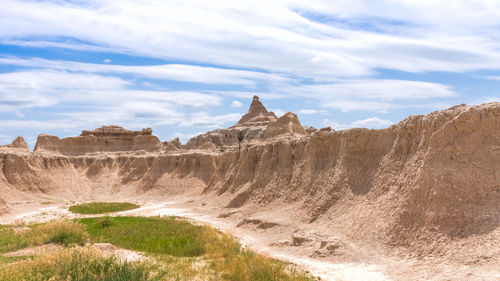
(102, 208)
(105, 221)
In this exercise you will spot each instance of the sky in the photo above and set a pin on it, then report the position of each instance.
(186, 67)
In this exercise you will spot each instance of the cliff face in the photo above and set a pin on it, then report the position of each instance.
(104, 139)
(426, 177)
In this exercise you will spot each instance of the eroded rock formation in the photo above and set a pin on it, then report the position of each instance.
(424, 184)
(18, 144)
(287, 124)
(174, 142)
(251, 126)
(104, 139)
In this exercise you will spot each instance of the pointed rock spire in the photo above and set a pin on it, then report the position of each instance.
(257, 115)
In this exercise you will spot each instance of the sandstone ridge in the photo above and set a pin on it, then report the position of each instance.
(104, 139)
(425, 187)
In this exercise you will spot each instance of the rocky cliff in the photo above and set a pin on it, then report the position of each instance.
(251, 126)
(104, 139)
(419, 184)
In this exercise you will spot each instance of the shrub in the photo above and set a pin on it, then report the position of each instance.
(105, 221)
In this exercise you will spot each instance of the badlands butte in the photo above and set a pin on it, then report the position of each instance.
(416, 201)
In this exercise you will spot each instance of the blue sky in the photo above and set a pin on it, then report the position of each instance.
(186, 67)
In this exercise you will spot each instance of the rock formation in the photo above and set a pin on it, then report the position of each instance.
(426, 187)
(287, 124)
(250, 127)
(104, 139)
(174, 142)
(257, 115)
(116, 131)
(18, 144)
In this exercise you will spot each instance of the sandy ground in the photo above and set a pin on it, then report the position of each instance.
(278, 242)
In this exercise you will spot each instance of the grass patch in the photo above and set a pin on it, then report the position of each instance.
(64, 232)
(220, 255)
(178, 249)
(233, 262)
(11, 259)
(102, 208)
(170, 236)
(78, 264)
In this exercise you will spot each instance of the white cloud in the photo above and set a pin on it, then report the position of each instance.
(178, 72)
(99, 100)
(343, 39)
(485, 100)
(43, 88)
(312, 111)
(185, 137)
(236, 104)
(57, 124)
(204, 120)
(249, 95)
(371, 123)
(374, 95)
(5, 139)
(491, 77)
(278, 112)
(106, 61)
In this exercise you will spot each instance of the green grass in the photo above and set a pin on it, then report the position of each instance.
(11, 259)
(102, 208)
(78, 264)
(62, 232)
(169, 236)
(178, 249)
(155, 235)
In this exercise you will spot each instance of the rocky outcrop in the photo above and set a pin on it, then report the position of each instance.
(287, 124)
(174, 142)
(310, 130)
(257, 115)
(116, 131)
(18, 144)
(251, 126)
(425, 182)
(104, 139)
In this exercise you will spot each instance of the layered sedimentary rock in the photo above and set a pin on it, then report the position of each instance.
(250, 127)
(257, 115)
(104, 139)
(174, 142)
(116, 131)
(287, 124)
(425, 182)
(18, 144)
